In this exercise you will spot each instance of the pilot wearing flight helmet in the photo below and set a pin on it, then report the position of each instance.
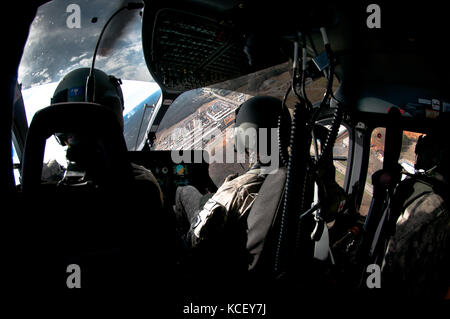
(108, 93)
(209, 214)
(417, 259)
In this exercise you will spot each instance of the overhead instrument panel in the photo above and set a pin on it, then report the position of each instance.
(192, 44)
(190, 51)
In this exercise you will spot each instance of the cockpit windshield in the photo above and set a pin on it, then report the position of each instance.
(62, 38)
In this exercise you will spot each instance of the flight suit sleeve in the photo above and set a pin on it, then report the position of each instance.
(231, 201)
(211, 219)
(209, 223)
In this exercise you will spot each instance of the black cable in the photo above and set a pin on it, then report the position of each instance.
(289, 187)
(306, 160)
(304, 67)
(298, 159)
(90, 82)
(338, 115)
(329, 75)
(282, 147)
(331, 138)
(297, 166)
(295, 185)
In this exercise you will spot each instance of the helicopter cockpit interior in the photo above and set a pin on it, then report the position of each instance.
(373, 75)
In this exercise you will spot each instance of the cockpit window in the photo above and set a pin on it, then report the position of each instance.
(58, 44)
(200, 119)
(406, 160)
(62, 38)
(203, 119)
(213, 107)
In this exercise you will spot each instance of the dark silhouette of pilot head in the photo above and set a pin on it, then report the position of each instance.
(85, 150)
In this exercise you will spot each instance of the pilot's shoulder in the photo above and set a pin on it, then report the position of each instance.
(429, 210)
(142, 173)
(429, 206)
(236, 181)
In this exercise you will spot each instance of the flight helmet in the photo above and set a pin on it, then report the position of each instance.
(107, 92)
(259, 112)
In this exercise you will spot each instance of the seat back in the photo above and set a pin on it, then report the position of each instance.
(261, 219)
(87, 118)
(117, 233)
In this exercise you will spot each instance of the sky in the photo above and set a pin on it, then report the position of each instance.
(53, 49)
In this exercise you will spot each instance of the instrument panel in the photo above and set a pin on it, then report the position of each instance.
(172, 174)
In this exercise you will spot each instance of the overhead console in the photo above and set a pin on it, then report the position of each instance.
(190, 51)
(193, 44)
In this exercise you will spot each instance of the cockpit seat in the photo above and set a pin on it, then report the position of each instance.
(109, 228)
